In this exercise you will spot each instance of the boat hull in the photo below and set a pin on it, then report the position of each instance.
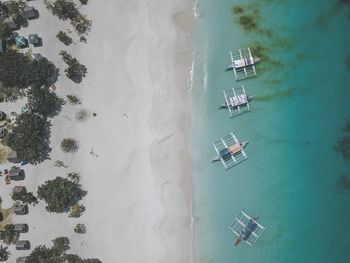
(217, 158)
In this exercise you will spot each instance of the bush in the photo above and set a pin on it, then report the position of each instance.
(74, 100)
(69, 145)
(74, 176)
(59, 163)
(80, 229)
(60, 194)
(64, 38)
(76, 210)
(83, 2)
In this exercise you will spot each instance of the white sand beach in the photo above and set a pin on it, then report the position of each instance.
(139, 202)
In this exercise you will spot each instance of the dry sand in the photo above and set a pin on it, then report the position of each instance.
(138, 207)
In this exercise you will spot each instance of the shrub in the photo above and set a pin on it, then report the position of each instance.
(82, 115)
(74, 100)
(69, 145)
(74, 176)
(76, 210)
(80, 229)
(64, 38)
(59, 163)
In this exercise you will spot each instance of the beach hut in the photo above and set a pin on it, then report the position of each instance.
(22, 245)
(12, 157)
(36, 56)
(29, 12)
(20, 228)
(19, 189)
(21, 41)
(2, 115)
(2, 132)
(20, 209)
(22, 260)
(11, 23)
(10, 6)
(16, 173)
(2, 46)
(34, 39)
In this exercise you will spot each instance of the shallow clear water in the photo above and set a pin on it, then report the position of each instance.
(300, 106)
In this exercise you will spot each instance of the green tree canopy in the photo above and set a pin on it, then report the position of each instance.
(8, 234)
(18, 71)
(60, 194)
(5, 31)
(29, 138)
(44, 101)
(57, 254)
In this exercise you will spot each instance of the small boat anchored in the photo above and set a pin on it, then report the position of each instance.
(236, 101)
(243, 63)
(246, 228)
(229, 151)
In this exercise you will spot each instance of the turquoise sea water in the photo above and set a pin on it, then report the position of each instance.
(301, 104)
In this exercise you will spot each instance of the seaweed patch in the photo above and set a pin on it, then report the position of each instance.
(250, 20)
(348, 61)
(279, 94)
(344, 182)
(343, 144)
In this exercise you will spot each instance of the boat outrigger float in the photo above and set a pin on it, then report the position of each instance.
(230, 151)
(236, 101)
(243, 63)
(246, 228)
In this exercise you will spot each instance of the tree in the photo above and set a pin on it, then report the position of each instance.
(69, 145)
(3, 253)
(67, 9)
(44, 101)
(75, 71)
(60, 245)
(25, 197)
(41, 72)
(5, 31)
(8, 234)
(64, 38)
(29, 138)
(63, 9)
(57, 254)
(60, 194)
(18, 71)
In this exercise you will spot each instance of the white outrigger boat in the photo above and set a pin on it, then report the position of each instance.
(229, 151)
(246, 228)
(236, 101)
(243, 63)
